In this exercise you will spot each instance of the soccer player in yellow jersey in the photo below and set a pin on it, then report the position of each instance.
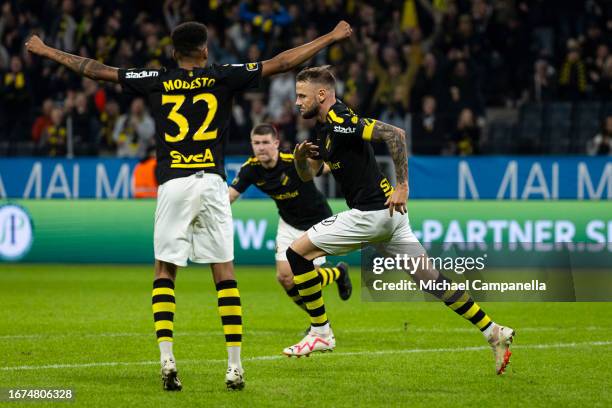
(300, 206)
(377, 211)
(192, 106)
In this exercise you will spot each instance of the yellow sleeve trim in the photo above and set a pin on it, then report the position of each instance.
(367, 131)
(286, 156)
(335, 118)
(252, 161)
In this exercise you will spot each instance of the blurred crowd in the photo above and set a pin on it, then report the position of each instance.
(430, 66)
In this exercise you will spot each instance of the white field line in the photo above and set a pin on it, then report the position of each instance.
(408, 328)
(341, 354)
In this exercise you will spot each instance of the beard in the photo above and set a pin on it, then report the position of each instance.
(312, 112)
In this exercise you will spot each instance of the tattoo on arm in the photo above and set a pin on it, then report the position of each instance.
(303, 170)
(290, 59)
(396, 142)
(83, 66)
(302, 164)
(86, 66)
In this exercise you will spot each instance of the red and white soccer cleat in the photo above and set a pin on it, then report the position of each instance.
(500, 341)
(311, 343)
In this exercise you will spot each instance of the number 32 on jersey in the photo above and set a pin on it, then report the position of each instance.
(183, 124)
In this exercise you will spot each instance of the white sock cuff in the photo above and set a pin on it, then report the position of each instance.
(321, 330)
(487, 332)
(165, 349)
(233, 356)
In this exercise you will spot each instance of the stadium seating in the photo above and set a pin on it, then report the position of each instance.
(587, 118)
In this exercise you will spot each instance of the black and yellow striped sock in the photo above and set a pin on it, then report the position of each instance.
(295, 296)
(230, 310)
(164, 307)
(463, 304)
(328, 275)
(308, 283)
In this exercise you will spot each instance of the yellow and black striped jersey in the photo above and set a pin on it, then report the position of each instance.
(343, 143)
(192, 110)
(299, 203)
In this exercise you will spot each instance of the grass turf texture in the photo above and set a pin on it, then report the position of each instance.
(95, 322)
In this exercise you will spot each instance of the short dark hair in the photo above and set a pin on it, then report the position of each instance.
(189, 37)
(320, 75)
(265, 129)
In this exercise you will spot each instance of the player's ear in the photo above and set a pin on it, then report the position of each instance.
(205, 53)
(322, 94)
(174, 55)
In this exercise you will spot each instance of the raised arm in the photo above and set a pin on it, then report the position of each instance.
(290, 59)
(82, 66)
(396, 142)
(306, 164)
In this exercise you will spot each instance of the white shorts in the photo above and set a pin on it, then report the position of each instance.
(285, 235)
(347, 231)
(193, 220)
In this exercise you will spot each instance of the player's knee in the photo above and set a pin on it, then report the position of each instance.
(223, 271)
(165, 270)
(285, 279)
(298, 263)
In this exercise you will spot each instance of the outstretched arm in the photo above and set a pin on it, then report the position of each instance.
(82, 66)
(396, 142)
(290, 59)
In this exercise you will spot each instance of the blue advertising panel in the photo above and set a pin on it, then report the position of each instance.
(495, 177)
(511, 177)
(101, 178)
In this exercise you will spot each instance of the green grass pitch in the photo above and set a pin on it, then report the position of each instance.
(90, 328)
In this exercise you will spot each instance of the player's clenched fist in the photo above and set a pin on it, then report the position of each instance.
(341, 31)
(35, 45)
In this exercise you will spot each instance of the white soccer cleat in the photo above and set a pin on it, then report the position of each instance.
(234, 378)
(500, 341)
(169, 375)
(311, 343)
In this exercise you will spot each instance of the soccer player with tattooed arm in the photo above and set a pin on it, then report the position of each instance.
(300, 206)
(192, 107)
(377, 211)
